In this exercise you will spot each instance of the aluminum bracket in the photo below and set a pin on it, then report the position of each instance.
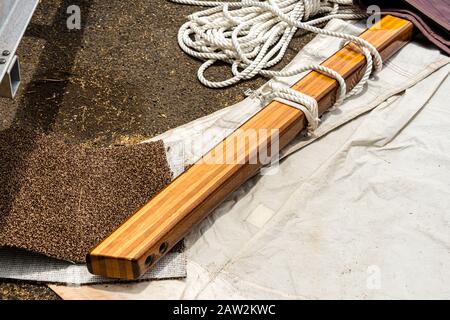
(15, 15)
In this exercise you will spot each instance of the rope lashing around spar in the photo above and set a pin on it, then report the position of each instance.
(253, 36)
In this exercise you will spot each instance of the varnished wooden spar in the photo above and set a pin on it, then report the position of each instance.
(146, 236)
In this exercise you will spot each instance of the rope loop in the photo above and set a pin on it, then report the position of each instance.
(253, 36)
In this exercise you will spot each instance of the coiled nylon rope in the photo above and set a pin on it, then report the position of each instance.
(253, 36)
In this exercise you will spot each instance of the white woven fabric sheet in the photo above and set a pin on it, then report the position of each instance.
(23, 265)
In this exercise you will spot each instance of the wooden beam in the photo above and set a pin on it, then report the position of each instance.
(146, 236)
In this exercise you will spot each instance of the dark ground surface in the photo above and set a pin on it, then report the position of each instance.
(120, 79)
(19, 290)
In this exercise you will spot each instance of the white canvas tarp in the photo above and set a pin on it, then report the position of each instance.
(363, 211)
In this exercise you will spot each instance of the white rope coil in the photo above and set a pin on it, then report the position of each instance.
(253, 36)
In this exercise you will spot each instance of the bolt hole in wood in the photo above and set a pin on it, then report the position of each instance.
(163, 247)
(149, 260)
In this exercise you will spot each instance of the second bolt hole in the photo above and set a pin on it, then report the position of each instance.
(163, 247)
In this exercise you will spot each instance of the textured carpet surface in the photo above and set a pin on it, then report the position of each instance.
(61, 200)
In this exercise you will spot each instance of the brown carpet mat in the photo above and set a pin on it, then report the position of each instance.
(61, 200)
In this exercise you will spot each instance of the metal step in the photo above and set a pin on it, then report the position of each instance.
(15, 15)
